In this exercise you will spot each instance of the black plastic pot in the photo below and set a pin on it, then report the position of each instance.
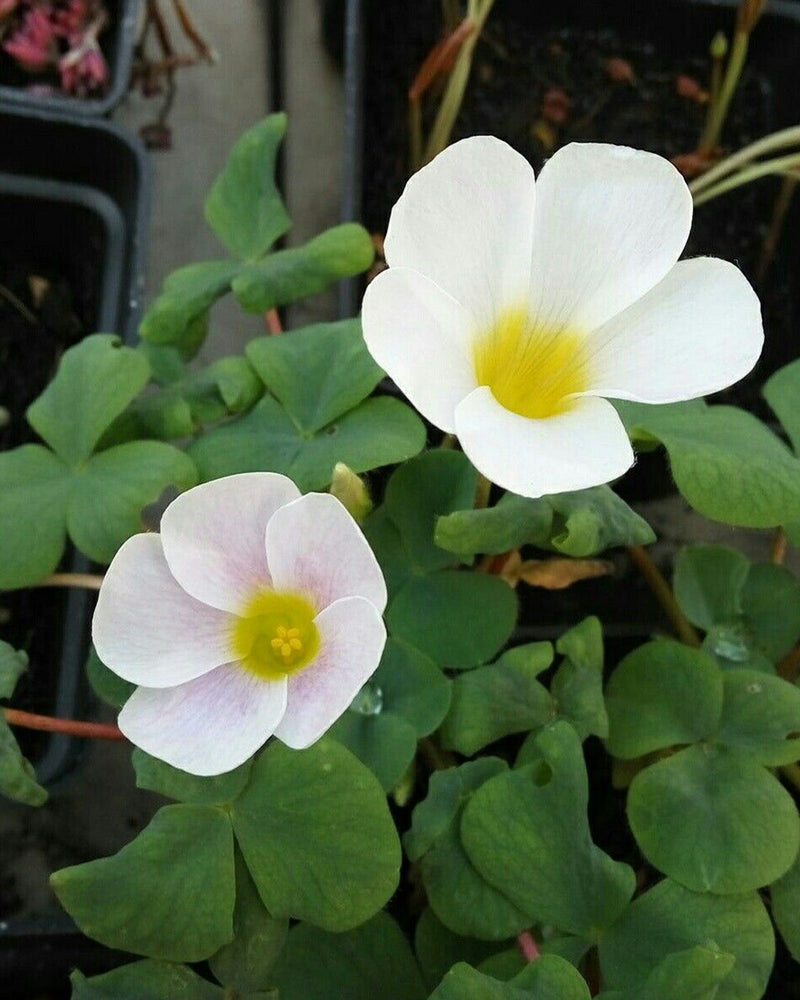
(117, 43)
(73, 194)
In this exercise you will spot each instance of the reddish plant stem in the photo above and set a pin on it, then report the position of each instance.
(528, 946)
(440, 59)
(272, 321)
(69, 727)
(780, 544)
(663, 594)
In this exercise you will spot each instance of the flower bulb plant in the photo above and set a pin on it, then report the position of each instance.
(378, 752)
(534, 303)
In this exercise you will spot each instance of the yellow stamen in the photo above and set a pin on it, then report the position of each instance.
(533, 371)
(275, 634)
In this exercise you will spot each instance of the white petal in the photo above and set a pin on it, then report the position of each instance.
(698, 331)
(421, 337)
(466, 221)
(585, 446)
(315, 547)
(213, 536)
(209, 725)
(352, 637)
(610, 223)
(147, 629)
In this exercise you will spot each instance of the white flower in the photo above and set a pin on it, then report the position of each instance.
(511, 313)
(255, 611)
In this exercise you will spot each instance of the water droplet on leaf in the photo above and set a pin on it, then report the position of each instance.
(368, 701)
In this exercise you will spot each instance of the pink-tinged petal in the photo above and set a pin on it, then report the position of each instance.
(585, 446)
(213, 536)
(209, 725)
(610, 223)
(147, 629)
(466, 222)
(314, 547)
(422, 338)
(352, 636)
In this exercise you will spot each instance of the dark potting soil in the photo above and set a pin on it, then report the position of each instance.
(516, 65)
(42, 313)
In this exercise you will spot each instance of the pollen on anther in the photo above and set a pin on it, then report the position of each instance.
(276, 643)
(286, 650)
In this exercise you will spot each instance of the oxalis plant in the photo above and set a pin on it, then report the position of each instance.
(378, 787)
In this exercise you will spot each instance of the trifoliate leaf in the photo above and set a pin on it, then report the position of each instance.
(761, 716)
(577, 685)
(157, 776)
(178, 315)
(708, 583)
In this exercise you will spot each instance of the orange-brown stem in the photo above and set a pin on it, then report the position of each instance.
(69, 727)
(440, 59)
(663, 594)
(272, 321)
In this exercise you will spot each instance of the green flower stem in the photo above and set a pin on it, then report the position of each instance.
(663, 594)
(91, 581)
(780, 165)
(769, 144)
(716, 122)
(69, 727)
(482, 492)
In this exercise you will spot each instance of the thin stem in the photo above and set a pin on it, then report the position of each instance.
(482, 492)
(189, 28)
(69, 727)
(716, 123)
(528, 946)
(780, 165)
(779, 213)
(770, 143)
(18, 304)
(663, 594)
(90, 581)
(780, 544)
(272, 321)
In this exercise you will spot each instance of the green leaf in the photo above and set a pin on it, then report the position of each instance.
(384, 539)
(317, 836)
(526, 831)
(245, 963)
(94, 383)
(17, 776)
(577, 686)
(761, 716)
(419, 492)
(108, 494)
(373, 960)
(244, 207)
(771, 606)
(576, 524)
(549, 978)
(498, 700)
(669, 918)
(145, 980)
(289, 275)
(458, 895)
(782, 392)
(107, 685)
(662, 694)
(708, 583)
(156, 776)
(380, 431)
(457, 619)
(714, 820)
(13, 664)
(168, 894)
(406, 698)
(785, 896)
(438, 948)
(34, 493)
(694, 974)
(317, 373)
(178, 315)
(726, 463)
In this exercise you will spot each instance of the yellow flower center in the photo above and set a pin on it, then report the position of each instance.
(275, 634)
(533, 371)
